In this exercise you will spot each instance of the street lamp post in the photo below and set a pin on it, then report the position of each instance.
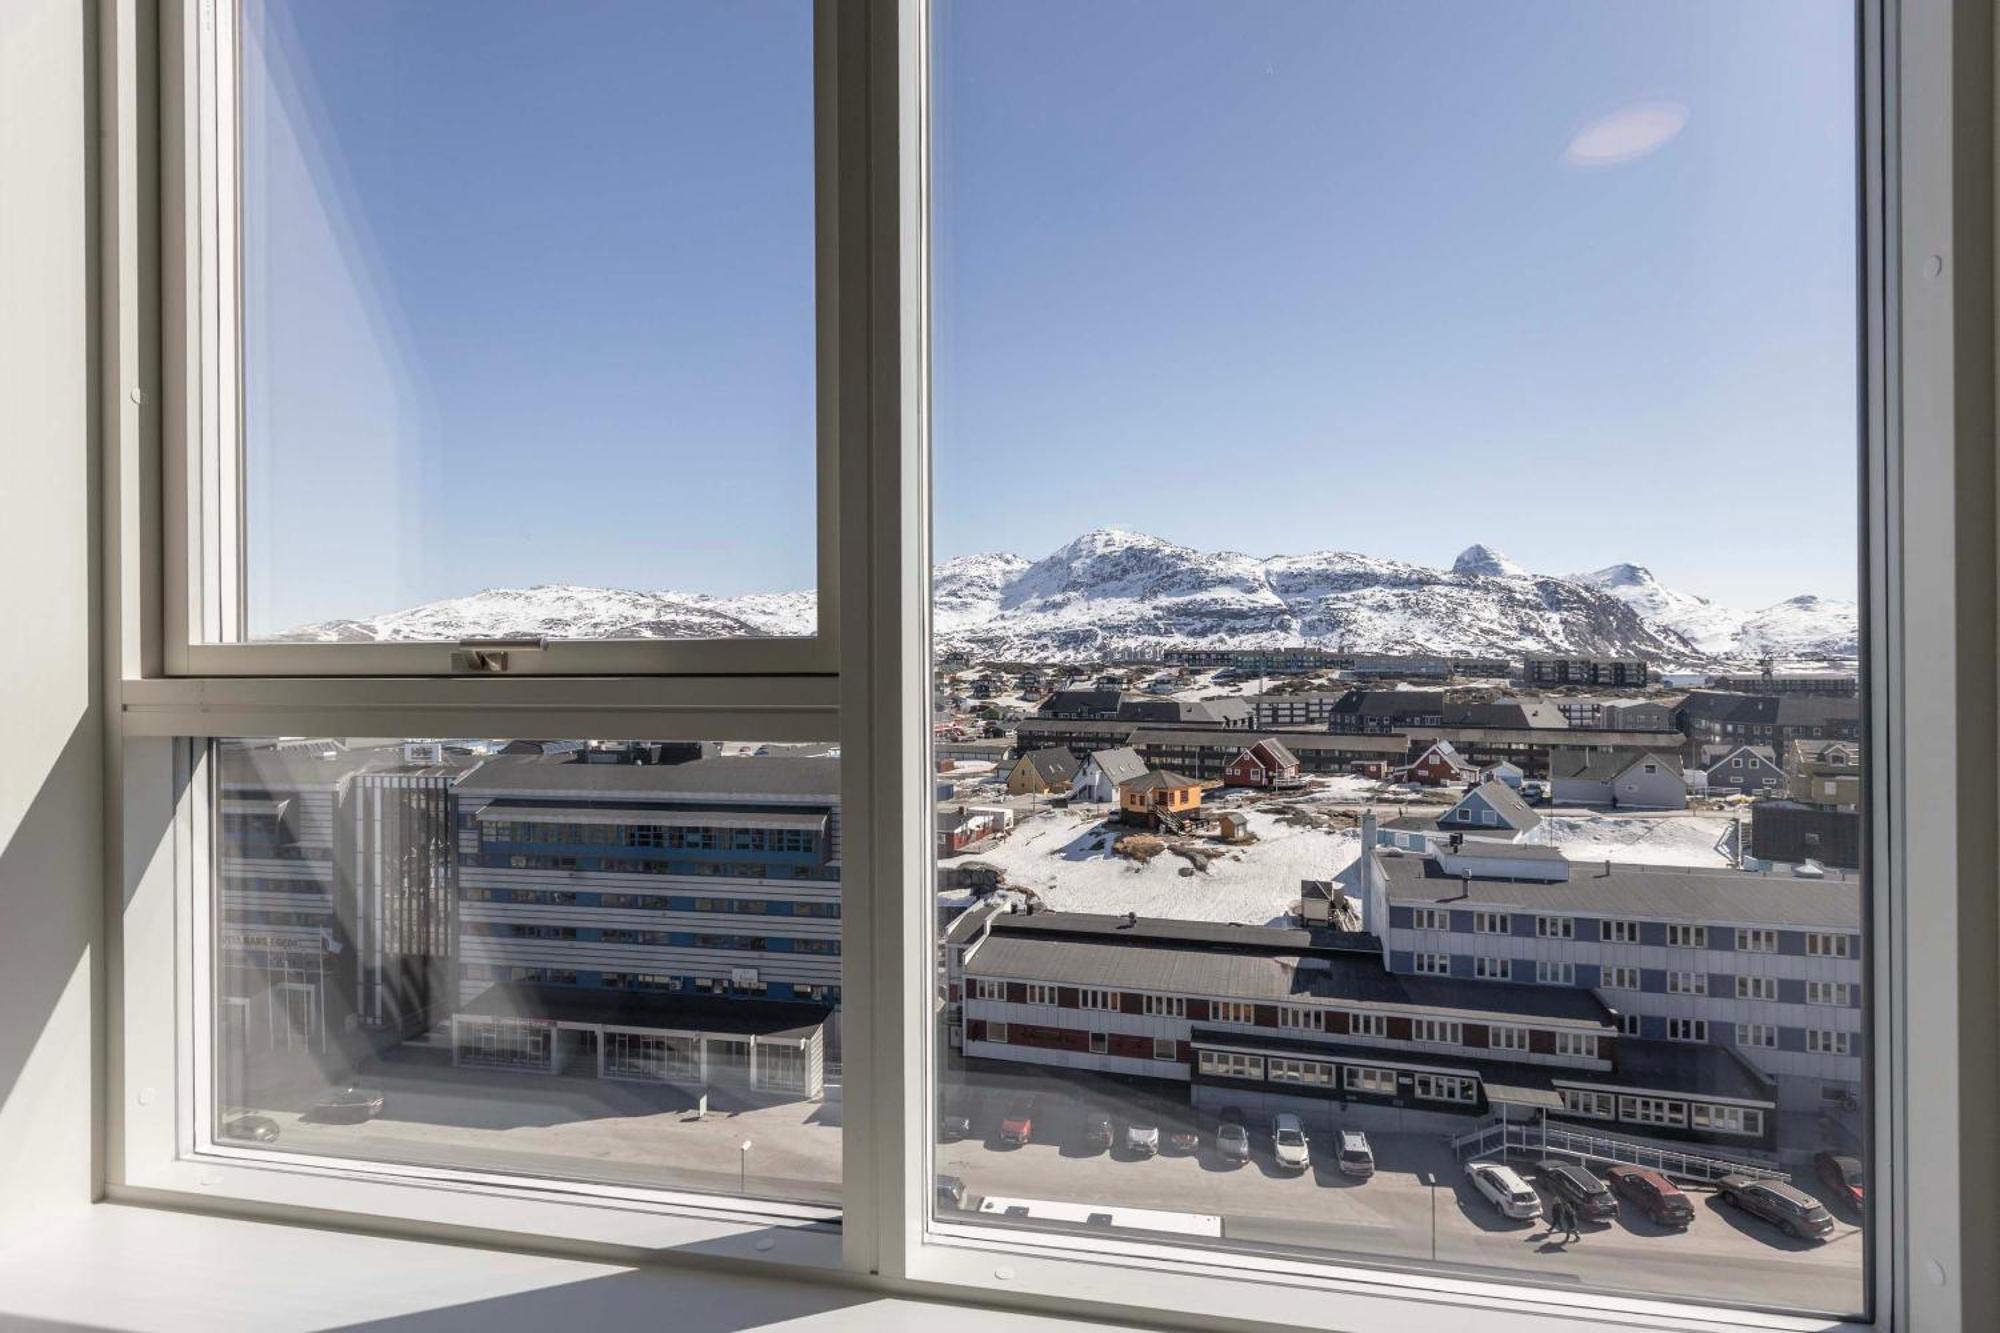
(743, 1168)
(1431, 1179)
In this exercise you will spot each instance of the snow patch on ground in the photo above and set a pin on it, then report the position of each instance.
(1681, 840)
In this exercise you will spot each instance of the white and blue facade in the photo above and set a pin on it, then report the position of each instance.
(620, 901)
(1769, 966)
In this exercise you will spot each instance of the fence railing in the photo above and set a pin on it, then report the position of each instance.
(1606, 1150)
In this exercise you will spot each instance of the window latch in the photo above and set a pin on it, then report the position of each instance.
(491, 655)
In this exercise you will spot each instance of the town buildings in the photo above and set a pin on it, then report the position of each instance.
(1604, 672)
(1625, 779)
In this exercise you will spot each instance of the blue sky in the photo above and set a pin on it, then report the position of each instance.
(530, 298)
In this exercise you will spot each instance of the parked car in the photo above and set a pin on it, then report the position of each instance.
(1097, 1133)
(1504, 1189)
(252, 1129)
(348, 1105)
(1017, 1125)
(1354, 1157)
(1288, 1142)
(1232, 1140)
(1843, 1178)
(1652, 1194)
(1532, 791)
(1142, 1137)
(1785, 1206)
(953, 1128)
(1183, 1142)
(950, 1193)
(1591, 1197)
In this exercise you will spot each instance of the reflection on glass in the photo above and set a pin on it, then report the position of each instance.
(597, 962)
(527, 298)
(1319, 880)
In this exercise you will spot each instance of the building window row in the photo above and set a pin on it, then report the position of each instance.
(675, 838)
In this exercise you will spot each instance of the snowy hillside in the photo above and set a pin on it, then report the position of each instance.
(1805, 626)
(1111, 593)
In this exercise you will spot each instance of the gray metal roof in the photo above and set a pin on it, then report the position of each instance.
(1506, 803)
(1355, 978)
(1653, 893)
(728, 775)
(1119, 763)
(1604, 765)
(1055, 765)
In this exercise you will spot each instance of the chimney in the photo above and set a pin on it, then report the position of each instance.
(1465, 884)
(1131, 918)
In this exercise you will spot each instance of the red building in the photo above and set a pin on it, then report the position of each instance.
(1267, 763)
(1437, 765)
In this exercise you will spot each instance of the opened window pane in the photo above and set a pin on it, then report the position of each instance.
(527, 338)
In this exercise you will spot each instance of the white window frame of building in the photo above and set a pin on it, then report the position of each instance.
(1763, 1036)
(1756, 939)
(1833, 993)
(1165, 1048)
(1745, 1120)
(1492, 923)
(1043, 993)
(1370, 1078)
(1430, 1087)
(1829, 944)
(1687, 1029)
(1618, 930)
(872, 698)
(1232, 1011)
(1591, 1103)
(1503, 1037)
(1368, 1025)
(1680, 935)
(1230, 1064)
(1100, 1042)
(1829, 1041)
(1299, 1018)
(1164, 1006)
(1577, 1045)
(1431, 964)
(1555, 927)
(1492, 969)
(1756, 988)
(1554, 972)
(996, 1031)
(1621, 976)
(1312, 1073)
(1687, 983)
(1430, 918)
(1091, 997)
(985, 988)
(1652, 1110)
(1436, 1031)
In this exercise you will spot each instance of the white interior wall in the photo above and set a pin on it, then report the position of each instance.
(51, 798)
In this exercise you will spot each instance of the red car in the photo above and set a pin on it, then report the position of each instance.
(1018, 1125)
(1652, 1194)
(1843, 1179)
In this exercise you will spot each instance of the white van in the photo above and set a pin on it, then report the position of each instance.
(1354, 1157)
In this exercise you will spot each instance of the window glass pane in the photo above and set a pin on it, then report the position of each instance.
(611, 963)
(527, 319)
(1404, 664)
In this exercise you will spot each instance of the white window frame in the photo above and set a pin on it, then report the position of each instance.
(1492, 923)
(1430, 918)
(1301, 1018)
(1924, 857)
(1830, 994)
(1829, 1041)
(1427, 964)
(203, 591)
(1750, 987)
(1555, 927)
(1619, 976)
(1619, 930)
(1492, 969)
(1683, 935)
(1757, 1036)
(1554, 972)
(1042, 993)
(1090, 997)
(1687, 1029)
(1164, 1006)
(1577, 1045)
(1687, 983)
(1506, 1037)
(1756, 939)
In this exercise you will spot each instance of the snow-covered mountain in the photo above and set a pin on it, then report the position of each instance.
(1113, 593)
(1805, 626)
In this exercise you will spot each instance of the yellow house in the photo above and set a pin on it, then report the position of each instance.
(1144, 799)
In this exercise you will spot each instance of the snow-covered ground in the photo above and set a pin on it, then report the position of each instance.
(1668, 840)
(1065, 857)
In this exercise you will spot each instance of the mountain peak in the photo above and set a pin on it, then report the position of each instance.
(1621, 576)
(1487, 562)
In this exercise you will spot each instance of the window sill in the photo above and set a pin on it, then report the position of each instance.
(118, 1267)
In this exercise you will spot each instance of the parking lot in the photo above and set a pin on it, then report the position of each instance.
(1418, 1208)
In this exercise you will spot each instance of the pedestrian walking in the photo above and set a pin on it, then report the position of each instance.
(1569, 1221)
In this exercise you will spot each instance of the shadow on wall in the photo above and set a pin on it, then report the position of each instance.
(50, 890)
